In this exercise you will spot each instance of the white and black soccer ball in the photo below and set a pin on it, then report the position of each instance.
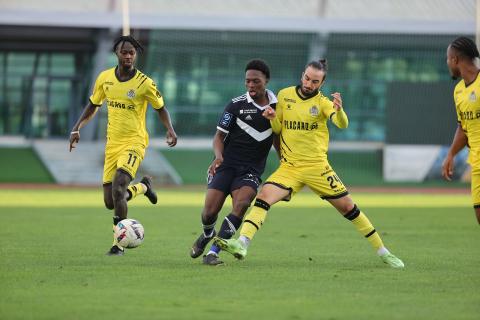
(129, 233)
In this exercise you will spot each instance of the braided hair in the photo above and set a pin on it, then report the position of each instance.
(466, 47)
(130, 39)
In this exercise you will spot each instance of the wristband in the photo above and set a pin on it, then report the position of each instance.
(73, 132)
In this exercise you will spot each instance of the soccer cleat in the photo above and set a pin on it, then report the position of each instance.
(392, 261)
(199, 245)
(232, 246)
(150, 193)
(212, 260)
(115, 251)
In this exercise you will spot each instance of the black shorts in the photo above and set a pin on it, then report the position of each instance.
(229, 178)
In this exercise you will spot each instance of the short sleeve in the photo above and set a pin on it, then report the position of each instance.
(153, 96)
(98, 95)
(276, 123)
(227, 119)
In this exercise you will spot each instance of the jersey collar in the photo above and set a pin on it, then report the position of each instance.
(271, 100)
(130, 78)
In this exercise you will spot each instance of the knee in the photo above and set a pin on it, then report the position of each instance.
(241, 207)
(108, 204)
(351, 214)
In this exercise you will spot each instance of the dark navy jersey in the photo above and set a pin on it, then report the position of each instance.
(249, 134)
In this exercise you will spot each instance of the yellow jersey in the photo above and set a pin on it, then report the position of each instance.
(467, 105)
(301, 124)
(127, 105)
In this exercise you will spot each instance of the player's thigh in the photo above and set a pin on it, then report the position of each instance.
(214, 201)
(324, 181)
(242, 198)
(281, 185)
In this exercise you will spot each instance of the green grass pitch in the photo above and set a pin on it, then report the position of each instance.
(306, 263)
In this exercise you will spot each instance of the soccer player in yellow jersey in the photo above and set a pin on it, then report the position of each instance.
(127, 92)
(301, 122)
(461, 56)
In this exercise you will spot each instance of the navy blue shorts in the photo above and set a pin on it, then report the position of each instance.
(229, 178)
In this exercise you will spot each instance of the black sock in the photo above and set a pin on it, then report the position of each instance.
(230, 225)
(116, 220)
(208, 225)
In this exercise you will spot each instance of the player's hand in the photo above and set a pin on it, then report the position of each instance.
(212, 170)
(74, 138)
(269, 113)
(171, 138)
(447, 167)
(337, 101)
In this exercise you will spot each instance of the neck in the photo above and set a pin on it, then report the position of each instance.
(469, 73)
(124, 72)
(261, 100)
(304, 95)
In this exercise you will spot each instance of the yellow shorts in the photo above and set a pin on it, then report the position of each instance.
(475, 185)
(122, 157)
(320, 178)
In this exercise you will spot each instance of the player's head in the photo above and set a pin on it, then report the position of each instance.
(313, 76)
(126, 48)
(461, 51)
(257, 74)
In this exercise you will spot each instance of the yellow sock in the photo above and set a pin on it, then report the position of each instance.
(254, 220)
(135, 189)
(365, 227)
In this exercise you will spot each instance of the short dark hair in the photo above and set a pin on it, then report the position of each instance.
(260, 65)
(130, 39)
(466, 47)
(320, 64)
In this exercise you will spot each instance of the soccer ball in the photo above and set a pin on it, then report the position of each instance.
(129, 233)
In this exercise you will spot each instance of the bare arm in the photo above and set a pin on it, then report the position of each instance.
(218, 146)
(460, 140)
(164, 116)
(87, 114)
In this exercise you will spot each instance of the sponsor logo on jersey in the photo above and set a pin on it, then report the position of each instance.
(314, 111)
(290, 100)
(245, 111)
(249, 117)
(226, 118)
(299, 125)
(472, 96)
(120, 105)
(131, 93)
(469, 115)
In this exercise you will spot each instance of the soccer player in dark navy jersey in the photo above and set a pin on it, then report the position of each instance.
(241, 145)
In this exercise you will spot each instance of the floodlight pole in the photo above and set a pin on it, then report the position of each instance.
(126, 18)
(477, 24)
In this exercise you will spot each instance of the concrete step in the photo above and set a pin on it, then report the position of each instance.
(84, 165)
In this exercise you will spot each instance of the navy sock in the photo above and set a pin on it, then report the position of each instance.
(208, 225)
(229, 226)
